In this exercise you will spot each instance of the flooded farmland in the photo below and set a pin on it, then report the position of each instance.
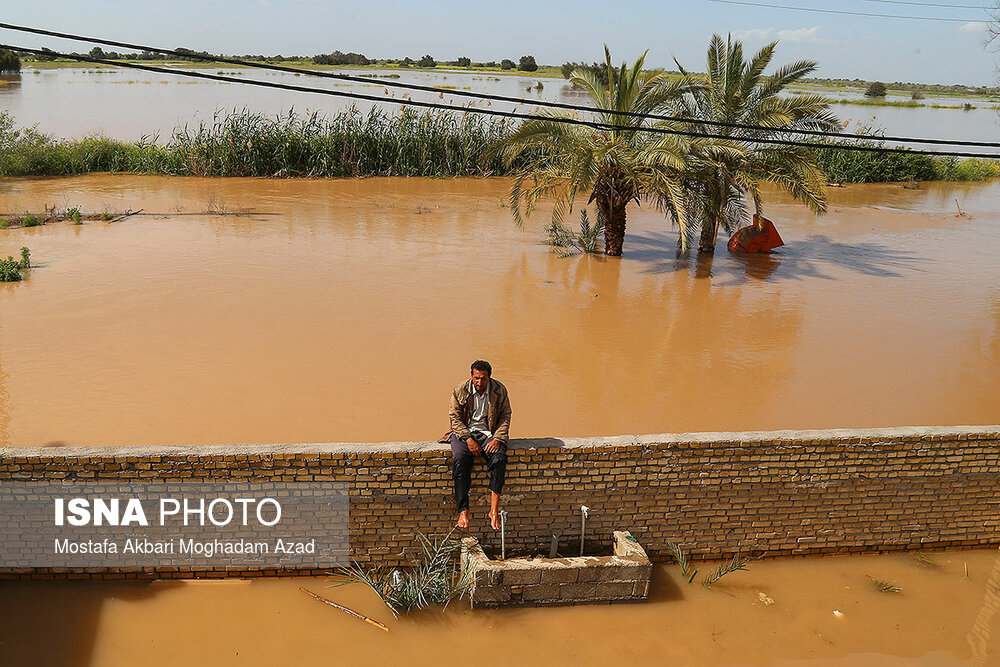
(810, 612)
(129, 104)
(291, 322)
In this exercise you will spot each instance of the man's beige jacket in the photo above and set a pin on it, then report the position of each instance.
(460, 412)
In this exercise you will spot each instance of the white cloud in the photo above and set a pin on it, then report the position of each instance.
(799, 36)
(755, 35)
(974, 28)
(802, 36)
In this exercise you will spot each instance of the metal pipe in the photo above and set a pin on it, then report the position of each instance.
(584, 511)
(503, 534)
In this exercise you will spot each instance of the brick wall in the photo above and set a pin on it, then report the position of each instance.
(769, 494)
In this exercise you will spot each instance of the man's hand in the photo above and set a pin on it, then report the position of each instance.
(474, 446)
(493, 446)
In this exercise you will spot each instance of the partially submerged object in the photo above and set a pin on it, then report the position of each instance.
(621, 577)
(761, 236)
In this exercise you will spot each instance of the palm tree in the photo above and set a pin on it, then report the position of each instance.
(616, 165)
(729, 172)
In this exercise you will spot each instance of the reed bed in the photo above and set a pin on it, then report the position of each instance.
(377, 143)
(850, 166)
(244, 143)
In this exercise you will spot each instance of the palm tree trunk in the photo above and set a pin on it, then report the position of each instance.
(709, 232)
(614, 225)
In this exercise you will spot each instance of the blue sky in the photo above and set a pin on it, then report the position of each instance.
(554, 32)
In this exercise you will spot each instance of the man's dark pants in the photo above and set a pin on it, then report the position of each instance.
(462, 458)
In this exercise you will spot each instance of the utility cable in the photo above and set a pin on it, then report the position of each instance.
(493, 112)
(485, 96)
(928, 4)
(842, 11)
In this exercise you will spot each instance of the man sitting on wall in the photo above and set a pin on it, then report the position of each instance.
(480, 421)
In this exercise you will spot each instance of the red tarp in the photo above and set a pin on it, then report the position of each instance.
(761, 236)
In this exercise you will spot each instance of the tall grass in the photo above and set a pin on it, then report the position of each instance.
(351, 143)
(244, 143)
(852, 166)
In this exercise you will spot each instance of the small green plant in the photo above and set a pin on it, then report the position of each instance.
(74, 215)
(565, 242)
(737, 563)
(5, 223)
(682, 561)
(885, 586)
(434, 579)
(11, 270)
(106, 216)
(32, 220)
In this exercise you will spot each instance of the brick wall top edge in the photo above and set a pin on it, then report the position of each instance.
(846, 436)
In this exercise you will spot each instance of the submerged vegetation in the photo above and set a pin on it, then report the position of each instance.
(613, 167)
(737, 563)
(725, 175)
(884, 586)
(435, 579)
(566, 242)
(72, 214)
(244, 143)
(843, 165)
(12, 270)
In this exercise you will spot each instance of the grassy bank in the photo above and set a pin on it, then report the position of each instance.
(350, 144)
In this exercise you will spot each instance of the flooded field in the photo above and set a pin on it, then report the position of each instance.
(296, 322)
(783, 613)
(128, 104)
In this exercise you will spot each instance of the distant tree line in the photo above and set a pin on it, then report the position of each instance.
(526, 63)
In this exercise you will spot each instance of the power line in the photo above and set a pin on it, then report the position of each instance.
(487, 96)
(842, 11)
(493, 112)
(928, 4)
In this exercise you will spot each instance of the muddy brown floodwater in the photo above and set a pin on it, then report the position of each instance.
(346, 310)
(812, 612)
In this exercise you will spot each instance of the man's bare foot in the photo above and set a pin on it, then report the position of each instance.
(495, 510)
(463, 519)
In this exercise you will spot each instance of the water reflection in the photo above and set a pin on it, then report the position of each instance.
(662, 348)
(9, 83)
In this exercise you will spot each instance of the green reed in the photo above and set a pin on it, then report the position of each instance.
(377, 143)
(245, 143)
(851, 166)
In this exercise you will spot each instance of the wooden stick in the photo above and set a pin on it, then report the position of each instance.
(344, 609)
(126, 214)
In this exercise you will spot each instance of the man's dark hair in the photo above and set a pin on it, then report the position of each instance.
(482, 366)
